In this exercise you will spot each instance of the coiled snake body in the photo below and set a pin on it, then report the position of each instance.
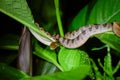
(78, 37)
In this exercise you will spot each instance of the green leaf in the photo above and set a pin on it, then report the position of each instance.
(97, 13)
(77, 74)
(47, 54)
(111, 40)
(102, 12)
(98, 75)
(44, 67)
(9, 73)
(72, 58)
(107, 68)
(108, 64)
(79, 20)
(20, 11)
(116, 68)
(118, 78)
(9, 41)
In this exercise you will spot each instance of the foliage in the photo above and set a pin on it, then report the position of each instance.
(74, 64)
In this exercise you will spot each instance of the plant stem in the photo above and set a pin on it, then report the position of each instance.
(108, 49)
(56, 2)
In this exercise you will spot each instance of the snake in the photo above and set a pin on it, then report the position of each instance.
(79, 37)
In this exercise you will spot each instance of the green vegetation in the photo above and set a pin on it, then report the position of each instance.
(98, 59)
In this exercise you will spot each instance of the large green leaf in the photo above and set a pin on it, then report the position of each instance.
(20, 11)
(9, 73)
(103, 12)
(72, 58)
(99, 12)
(77, 74)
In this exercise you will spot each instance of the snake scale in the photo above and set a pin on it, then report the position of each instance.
(78, 37)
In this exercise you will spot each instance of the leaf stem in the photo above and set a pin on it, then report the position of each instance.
(56, 2)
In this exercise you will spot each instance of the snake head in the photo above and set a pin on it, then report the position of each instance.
(54, 45)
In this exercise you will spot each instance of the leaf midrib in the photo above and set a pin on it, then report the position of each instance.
(115, 13)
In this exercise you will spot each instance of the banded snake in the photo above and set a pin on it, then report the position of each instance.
(78, 37)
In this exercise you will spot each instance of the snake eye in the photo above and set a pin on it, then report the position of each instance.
(116, 28)
(54, 45)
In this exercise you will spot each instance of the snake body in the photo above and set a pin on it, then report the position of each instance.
(75, 33)
(84, 35)
(78, 37)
